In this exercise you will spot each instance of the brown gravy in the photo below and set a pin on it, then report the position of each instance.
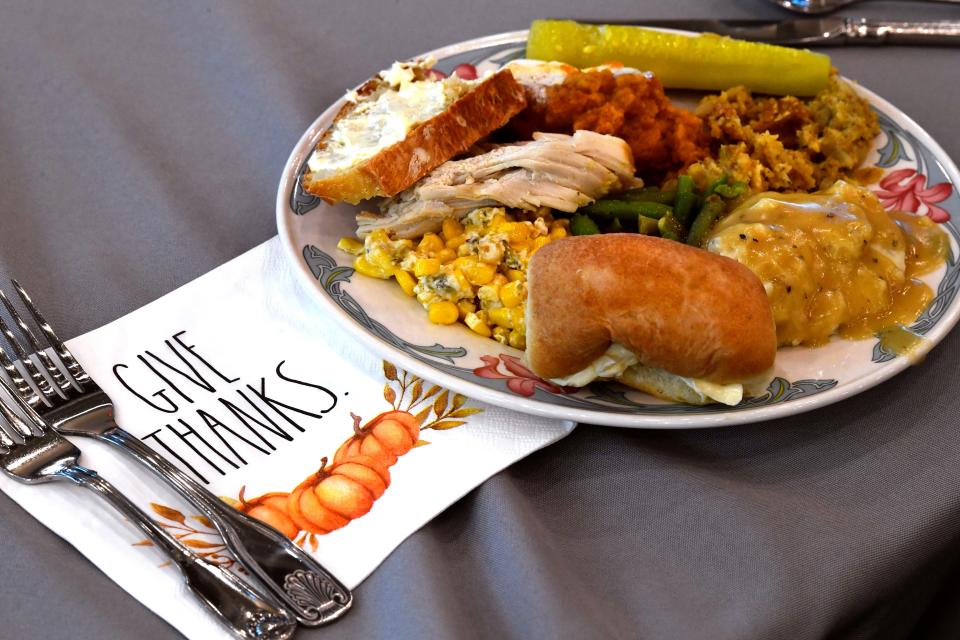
(835, 262)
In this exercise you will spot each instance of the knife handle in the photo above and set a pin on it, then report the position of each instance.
(240, 606)
(863, 30)
(316, 596)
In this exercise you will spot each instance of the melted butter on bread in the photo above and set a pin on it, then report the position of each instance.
(377, 124)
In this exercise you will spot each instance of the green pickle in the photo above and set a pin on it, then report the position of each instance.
(708, 62)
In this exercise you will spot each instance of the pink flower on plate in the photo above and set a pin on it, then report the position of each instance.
(522, 381)
(906, 190)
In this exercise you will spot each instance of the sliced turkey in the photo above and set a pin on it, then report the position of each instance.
(553, 170)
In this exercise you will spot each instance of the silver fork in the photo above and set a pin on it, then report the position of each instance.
(81, 408)
(42, 455)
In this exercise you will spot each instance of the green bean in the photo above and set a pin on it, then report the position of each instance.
(712, 210)
(650, 194)
(730, 191)
(627, 209)
(713, 186)
(710, 189)
(582, 225)
(646, 226)
(686, 198)
(671, 229)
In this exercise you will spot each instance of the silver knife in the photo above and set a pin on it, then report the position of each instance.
(821, 32)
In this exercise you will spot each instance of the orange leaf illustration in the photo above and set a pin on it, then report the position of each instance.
(458, 400)
(389, 394)
(415, 392)
(389, 371)
(167, 512)
(143, 543)
(204, 520)
(447, 424)
(423, 415)
(463, 413)
(420, 443)
(432, 391)
(202, 544)
(441, 403)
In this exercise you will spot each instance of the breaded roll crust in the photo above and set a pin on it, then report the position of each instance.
(682, 309)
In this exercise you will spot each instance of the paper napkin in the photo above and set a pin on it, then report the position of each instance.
(241, 379)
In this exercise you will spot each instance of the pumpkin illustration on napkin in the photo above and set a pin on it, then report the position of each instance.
(347, 487)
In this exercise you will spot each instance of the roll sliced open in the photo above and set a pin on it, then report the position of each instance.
(657, 315)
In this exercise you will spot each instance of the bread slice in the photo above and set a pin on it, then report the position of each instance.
(401, 125)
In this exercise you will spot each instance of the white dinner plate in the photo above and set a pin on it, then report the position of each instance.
(918, 176)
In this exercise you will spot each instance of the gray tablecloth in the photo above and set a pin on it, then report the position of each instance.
(140, 146)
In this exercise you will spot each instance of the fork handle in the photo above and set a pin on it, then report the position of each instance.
(247, 612)
(868, 31)
(295, 577)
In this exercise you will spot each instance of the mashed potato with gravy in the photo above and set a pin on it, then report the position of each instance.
(833, 261)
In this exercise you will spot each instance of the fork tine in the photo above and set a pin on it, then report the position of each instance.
(23, 389)
(40, 350)
(22, 428)
(71, 363)
(45, 388)
(6, 442)
(15, 422)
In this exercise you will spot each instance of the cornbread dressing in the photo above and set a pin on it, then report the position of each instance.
(786, 144)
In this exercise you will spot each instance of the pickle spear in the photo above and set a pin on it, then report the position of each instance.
(708, 61)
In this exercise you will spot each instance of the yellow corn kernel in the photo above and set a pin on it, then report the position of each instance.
(381, 261)
(512, 294)
(499, 280)
(518, 318)
(520, 247)
(515, 231)
(515, 275)
(501, 335)
(502, 317)
(462, 283)
(484, 316)
(426, 267)
(465, 262)
(556, 233)
(350, 245)
(498, 219)
(451, 228)
(538, 244)
(430, 243)
(559, 223)
(454, 242)
(405, 280)
(477, 325)
(517, 340)
(365, 267)
(480, 273)
(443, 312)
(466, 307)
(446, 255)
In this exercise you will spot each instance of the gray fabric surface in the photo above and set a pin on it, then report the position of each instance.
(140, 146)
